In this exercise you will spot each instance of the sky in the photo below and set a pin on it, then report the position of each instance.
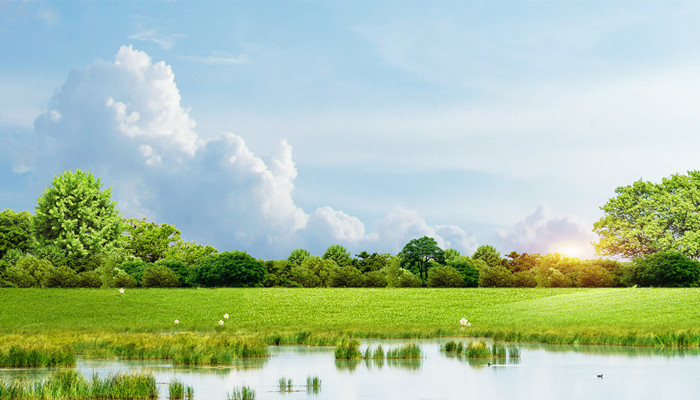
(266, 126)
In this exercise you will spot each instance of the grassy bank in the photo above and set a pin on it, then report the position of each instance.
(656, 317)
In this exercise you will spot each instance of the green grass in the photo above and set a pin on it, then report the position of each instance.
(631, 316)
(69, 384)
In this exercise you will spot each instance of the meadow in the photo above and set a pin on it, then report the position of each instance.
(86, 318)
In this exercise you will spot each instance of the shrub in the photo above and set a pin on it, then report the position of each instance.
(305, 277)
(524, 279)
(89, 279)
(230, 268)
(444, 276)
(347, 276)
(135, 268)
(375, 279)
(666, 269)
(494, 276)
(29, 271)
(594, 276)
(159, 276)
(61, 277)
(467, 269)
(407, 279)
(122, 279)
(180, 269)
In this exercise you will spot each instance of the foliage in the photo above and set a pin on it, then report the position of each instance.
(339, 254)
(188, 252)
(148, 240)
(30, 271)
(347, 276)
(525, 279)
(407, 279)
(493, 276)
(646, 217)
(10, 258)
(159, 276)
(303, 276)
(180, 269)
(488, 254)
(15, 231)
(123, 280)
(297, 257)
(91, 279)
(418, 252)
(392, 271)
(61, 276)
(230, 268)
(366, 262)
(594, 275)
(518, 262)
(375, 279)
(278, 274)
(444, 276)
(135, 268)
(466, 267)
(451, 254)
(323, 269)
(77, 216)
(664, 269)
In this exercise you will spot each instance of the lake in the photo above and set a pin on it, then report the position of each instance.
(541, 372)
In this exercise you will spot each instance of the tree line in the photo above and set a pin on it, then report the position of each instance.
(77, 238)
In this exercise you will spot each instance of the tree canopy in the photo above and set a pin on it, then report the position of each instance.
(418, 252)
(77, 216)
(15, 231)
(646, 217)
(148, 240)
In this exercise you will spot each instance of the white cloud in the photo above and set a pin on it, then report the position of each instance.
(123, 121)
(542, 232)
(218, 58)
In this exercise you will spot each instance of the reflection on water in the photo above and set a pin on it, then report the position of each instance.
(541, 372)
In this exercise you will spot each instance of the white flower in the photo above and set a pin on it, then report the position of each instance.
(463, 321)
(121, 290)
(469, 324)
(226, 316)
(177, 321)
(221, 322)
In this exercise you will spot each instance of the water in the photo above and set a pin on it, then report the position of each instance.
(541, 372)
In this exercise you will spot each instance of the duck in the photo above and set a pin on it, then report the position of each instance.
(600, 376)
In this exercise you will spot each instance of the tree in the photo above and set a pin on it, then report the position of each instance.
(230, 268)
(366, 262)
(593, 275)
(665, 269)
(418, 252)
(188, 252)
(77, 216)
(488, 254)
(159, 276)
(297, 257)
(15, 231)
(339, 254)
(645, 218)
(148, 240)
(465, 266)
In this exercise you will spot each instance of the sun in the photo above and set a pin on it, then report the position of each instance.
(574, 250)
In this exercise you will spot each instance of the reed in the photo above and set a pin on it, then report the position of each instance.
(348, 350)
(477, 350)
(513, 352)
(243, 393)
(69, 384)
(378, 353)
(498, 350)
(410, 350)
(285, 385)
(32, 356)
(178, 391)
(313, 384)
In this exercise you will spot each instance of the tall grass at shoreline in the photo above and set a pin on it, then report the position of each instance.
(628, 316)
(69, 384)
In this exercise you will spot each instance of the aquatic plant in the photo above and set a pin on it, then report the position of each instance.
(513, 352)
(498, 350)
(348, 350)
(477, 350)
(378, 353)
(313, 384)
(410, 350)
(178, 391)
(285, 385)
(243, 393)
(33, 356)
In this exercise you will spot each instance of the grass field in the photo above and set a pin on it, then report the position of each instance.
(632, 316)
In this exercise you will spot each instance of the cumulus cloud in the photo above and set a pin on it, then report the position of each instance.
(123, 120)
(543, 232)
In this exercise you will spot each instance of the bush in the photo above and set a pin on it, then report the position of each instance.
(594, 276)
(444, 276)
(61, 277)
(304, 277)
(180, 269)
(347, 276)
(467, 269)
(494, 276)
(408, 279)
(90, 279)
(524, 279)
(159, 276)
(135, 268)
(375, 279)
(664, 269)
(230, 268)
(123, 280)
(30, 271)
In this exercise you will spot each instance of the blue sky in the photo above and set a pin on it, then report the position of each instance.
(268, 126)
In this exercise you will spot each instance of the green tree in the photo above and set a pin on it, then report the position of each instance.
(339, 254)
(664, 269)
(488, 254)
(15, 231)
(593, 275)
(230, 268)
(646, 217)
(77, 216)
(188, 252)
(366, 262)
(465, 266)
(418, 252)
(148, 240)
(297, 257)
